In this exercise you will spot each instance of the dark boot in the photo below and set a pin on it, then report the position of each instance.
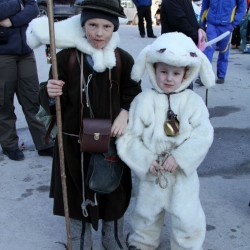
(81, 235)
(15, 154)
(247, 48)
(112, 235)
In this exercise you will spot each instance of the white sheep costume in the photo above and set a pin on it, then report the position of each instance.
(70, 34)
(145, 140)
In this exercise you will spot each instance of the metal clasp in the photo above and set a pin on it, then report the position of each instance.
(96, 136)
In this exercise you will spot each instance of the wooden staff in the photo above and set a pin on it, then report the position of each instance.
(59, 121)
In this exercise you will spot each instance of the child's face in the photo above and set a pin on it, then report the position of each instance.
(169, 78)
(98, 32)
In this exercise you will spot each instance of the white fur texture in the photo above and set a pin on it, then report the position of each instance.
(178, 50)
(142, 142)
(70, 34)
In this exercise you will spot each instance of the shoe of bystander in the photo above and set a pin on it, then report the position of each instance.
(247, 49)
(46, 152)
(15, 154)
(152, 36)
(220, 80)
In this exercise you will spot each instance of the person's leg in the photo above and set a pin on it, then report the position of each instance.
(147, 230)
(238, 38)
(248, 31)
(224, 50)
(247, 48)
(211, 34)
(112, 235)
(8, 81)
(140, 12)
(148, 217)
(243, 30)
(188, 228)
(148, 19)
(28, 97)
(235, 41)
(81, 235)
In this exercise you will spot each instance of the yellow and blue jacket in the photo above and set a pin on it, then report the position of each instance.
(222, 12)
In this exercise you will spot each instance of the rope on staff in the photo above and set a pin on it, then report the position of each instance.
(59, 122)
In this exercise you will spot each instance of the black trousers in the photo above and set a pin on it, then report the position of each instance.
(18, 75)
(144, 12)
(248, 32)
(236, 36)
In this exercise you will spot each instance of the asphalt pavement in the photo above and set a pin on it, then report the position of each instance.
(26, 219)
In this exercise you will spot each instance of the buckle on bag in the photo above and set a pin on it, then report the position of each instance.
(96, 136)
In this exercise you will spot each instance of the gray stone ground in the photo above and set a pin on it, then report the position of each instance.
(26, 216)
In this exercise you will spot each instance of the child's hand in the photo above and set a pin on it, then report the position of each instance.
(170, 164)
(54, 88)
(203, 35)
(120, 124)
(6, 23)
(154, 167)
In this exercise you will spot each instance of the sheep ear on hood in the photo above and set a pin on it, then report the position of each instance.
(140, 65)
(206, 71)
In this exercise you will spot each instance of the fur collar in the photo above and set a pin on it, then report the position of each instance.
(70, 34)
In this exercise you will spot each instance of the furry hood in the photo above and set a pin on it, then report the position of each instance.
(178, 50)
(70, 34)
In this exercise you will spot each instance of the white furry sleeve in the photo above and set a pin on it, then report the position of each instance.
(193, 150)
(130, 146)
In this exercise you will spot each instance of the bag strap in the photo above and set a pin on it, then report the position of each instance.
(71, 62)
(118, 64)
(171, 116)
(83, 205)
(83, 82)
(52, 123)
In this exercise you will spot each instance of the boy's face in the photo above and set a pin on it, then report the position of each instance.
(169, 78)
(98, 32)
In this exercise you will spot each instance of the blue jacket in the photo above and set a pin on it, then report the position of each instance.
(222, 12)
(20, 19)
(139, 3)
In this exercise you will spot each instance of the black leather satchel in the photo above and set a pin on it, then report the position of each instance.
(105, 171)
(95, 136)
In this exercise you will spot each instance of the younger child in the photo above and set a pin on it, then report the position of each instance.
(168, 136)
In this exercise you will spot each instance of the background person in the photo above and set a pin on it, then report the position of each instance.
(18, 75)
(179, 15)
(236, 38)
(245, 31)
(144, 12)
(161, 153)
(219, 16)
(247, 48)
(96, 37)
